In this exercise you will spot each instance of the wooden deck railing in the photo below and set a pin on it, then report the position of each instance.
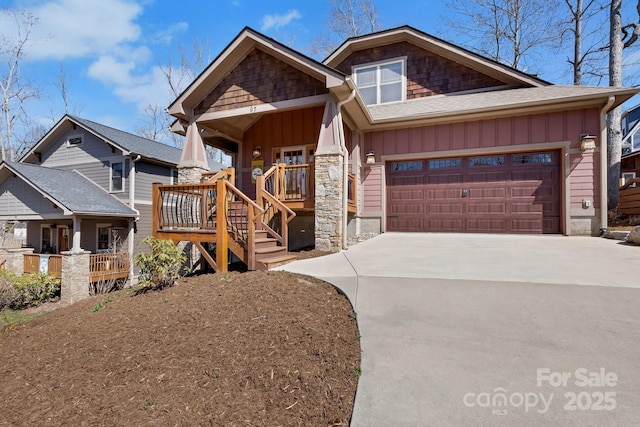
(629, 197)
(270, 191)
(192, 212)
(108, 266)
(32, 264)
(3, 264)
(228, 174)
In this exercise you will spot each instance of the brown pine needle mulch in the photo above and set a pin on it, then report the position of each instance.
(259, 348)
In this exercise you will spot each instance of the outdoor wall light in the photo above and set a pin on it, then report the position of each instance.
(587, 142)
(371, 157)
(257, 151)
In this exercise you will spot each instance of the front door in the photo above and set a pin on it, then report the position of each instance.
(63, 239)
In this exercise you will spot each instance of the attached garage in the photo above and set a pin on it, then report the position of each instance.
(504, 193)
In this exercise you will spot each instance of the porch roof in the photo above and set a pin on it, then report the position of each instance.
(69, 190)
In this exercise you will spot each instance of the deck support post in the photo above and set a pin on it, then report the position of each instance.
(222, 244)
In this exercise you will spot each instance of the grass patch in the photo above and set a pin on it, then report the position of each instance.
(10, 317)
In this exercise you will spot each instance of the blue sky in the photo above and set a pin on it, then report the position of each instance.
(111, 50)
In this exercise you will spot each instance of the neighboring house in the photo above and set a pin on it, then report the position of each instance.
(631, 130)
(437, 138)
(630, 167)
(86, 186)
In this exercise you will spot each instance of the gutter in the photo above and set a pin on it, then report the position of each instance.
(345, 166)
(604, 185)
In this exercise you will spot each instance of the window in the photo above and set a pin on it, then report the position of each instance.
(445, 163)
(525, 159)
(407, 166)
(628, 176)
(174, 176)
(381, 83)
(117, 176)
(486, 161)
(74, 140)
(46, 244)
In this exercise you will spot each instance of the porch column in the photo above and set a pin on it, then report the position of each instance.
(77, 223)
(329, 185)
(75, 276)
(193, 161)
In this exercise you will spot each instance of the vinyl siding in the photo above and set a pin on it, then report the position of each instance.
(146, 175)
(18, 198)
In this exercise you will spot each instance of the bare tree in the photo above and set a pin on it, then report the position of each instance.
(513, 32)
(580, 12)
(620, 38)
(14, 89)
(347, 18)
(154, 123)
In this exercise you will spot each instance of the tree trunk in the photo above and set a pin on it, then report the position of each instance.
(614, 129)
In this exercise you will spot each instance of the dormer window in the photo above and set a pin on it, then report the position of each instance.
(381, 82)
(74, 141)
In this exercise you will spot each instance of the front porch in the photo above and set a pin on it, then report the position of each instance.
(219, 218)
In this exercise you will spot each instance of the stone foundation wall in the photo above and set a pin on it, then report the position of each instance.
(328, 201)
(75, 276)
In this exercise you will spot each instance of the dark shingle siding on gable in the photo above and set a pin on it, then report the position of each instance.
(427, 73)
(258, 79)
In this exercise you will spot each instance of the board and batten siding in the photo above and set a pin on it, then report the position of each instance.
(372, 189)
(505, 132)
(18, 198)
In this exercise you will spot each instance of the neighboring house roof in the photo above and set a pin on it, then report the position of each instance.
(492, 101)
(70, 191)
(437, 46)
(127, 142)
(132, 143)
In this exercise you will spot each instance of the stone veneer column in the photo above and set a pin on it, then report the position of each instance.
(190, 174)
(15, 258)
(328, 201)
(75, 276)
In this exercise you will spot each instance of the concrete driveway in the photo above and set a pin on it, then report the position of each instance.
(492, 330)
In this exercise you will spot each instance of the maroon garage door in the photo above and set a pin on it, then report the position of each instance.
(506, 193)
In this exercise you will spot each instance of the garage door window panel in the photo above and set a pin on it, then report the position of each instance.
(486, 161)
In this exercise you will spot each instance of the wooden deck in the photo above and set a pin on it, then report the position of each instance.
(101, 266)
(629, 198)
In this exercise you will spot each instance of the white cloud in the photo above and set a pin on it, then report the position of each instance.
(277, 21)
(111, 71)
(167, 35)
(76, 28)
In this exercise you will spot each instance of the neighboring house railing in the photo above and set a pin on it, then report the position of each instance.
(629, 197)
(108, 266)
(33, 263)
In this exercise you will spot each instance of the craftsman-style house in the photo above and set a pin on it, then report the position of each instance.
(394, 131)
(86, 188)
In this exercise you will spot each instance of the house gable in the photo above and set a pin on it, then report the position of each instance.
(427, 73)
(260, 78)
(17, 198)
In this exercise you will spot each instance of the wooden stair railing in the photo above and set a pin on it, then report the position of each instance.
(270, 190)
(192, 212)
(228, 174)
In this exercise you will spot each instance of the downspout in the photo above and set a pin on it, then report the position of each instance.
(130, 238)
(604, 185)
(345, 166)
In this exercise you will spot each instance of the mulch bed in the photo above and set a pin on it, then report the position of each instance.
(259, 348)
